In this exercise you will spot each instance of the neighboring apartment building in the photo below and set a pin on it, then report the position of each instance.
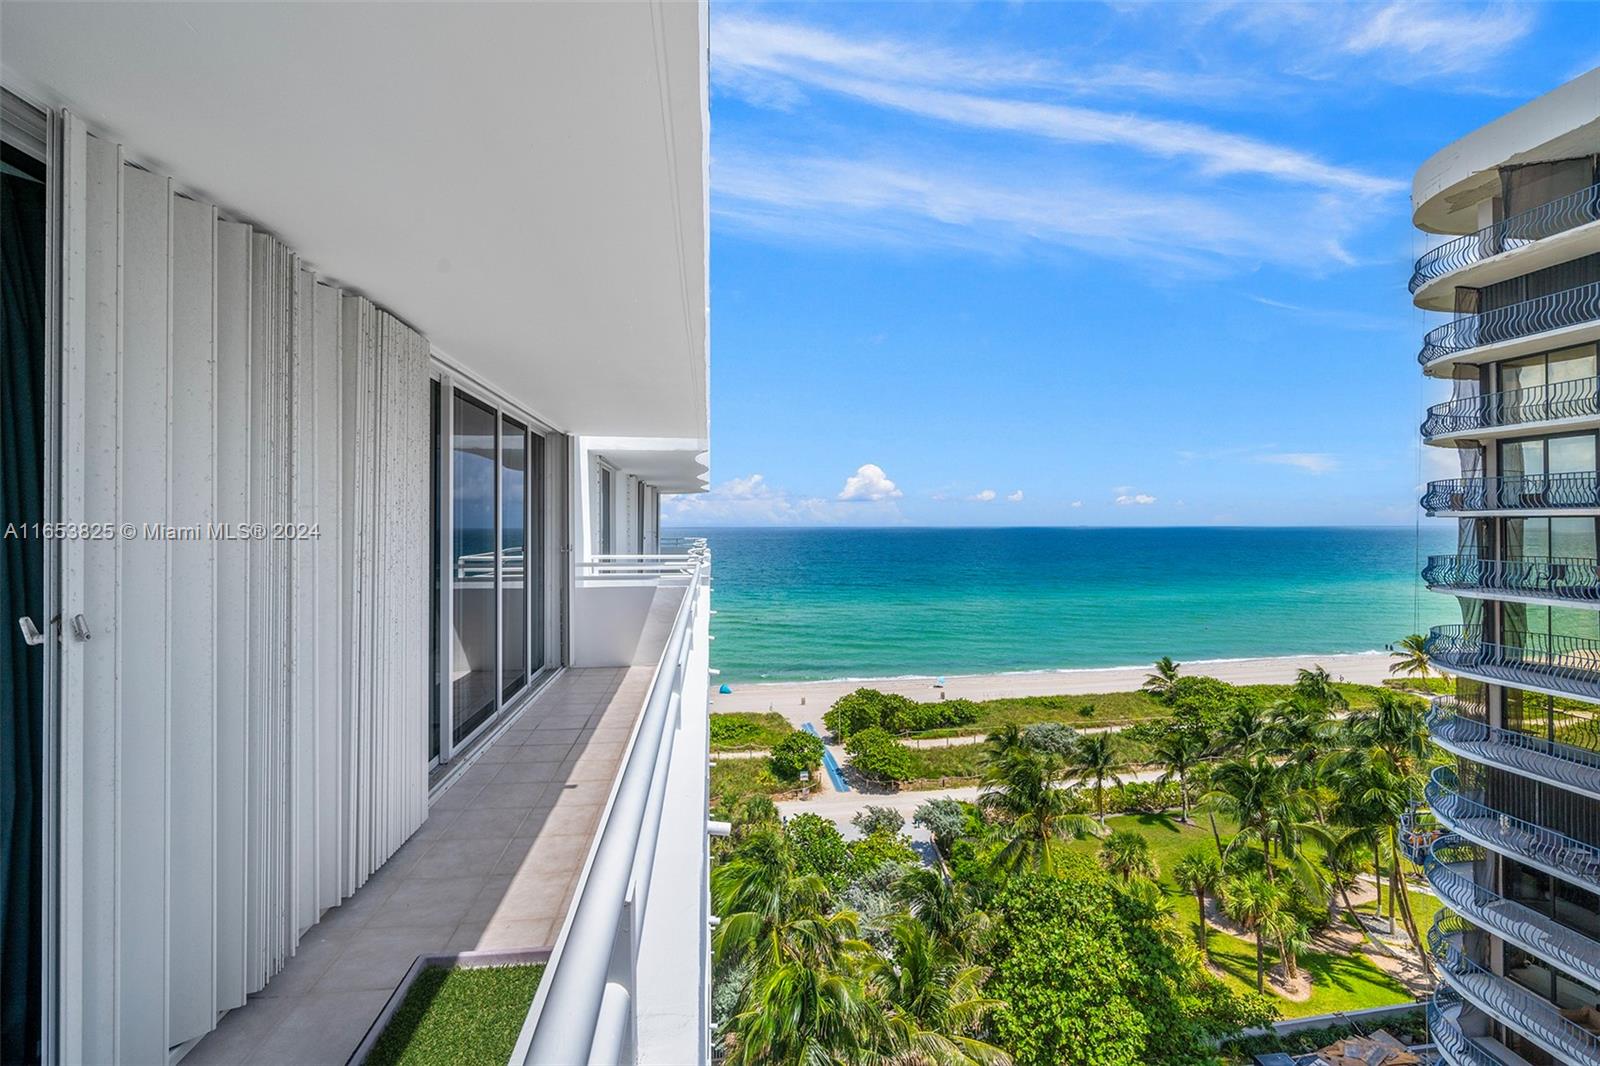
(349, 350)
(1517, 866)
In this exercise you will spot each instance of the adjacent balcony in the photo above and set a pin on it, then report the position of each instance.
(1447, 1014)
(1557, 665)
(1558, 216)
(1557, 580)
(1460, 729)
(1560, 311)
(1535, 1017)
(1579, 490)
(1449, 864)
(1555, 853)
(1515, 410)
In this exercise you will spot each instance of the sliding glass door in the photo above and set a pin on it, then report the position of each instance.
(489, 621)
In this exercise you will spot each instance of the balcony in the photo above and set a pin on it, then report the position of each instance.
(1500, 413)
(628, 978)
(1556, 665)
(1555, 853)
(1470, 337)
(1579, 490)
(1459, 728)
(1448, 864)
(1446, 1014)
(1508, 235)
(1535, 1017)
(1557, 580)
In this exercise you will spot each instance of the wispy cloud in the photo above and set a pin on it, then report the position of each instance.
(1436, 39)
(1137, 499)
(935, 84)
(1014, 497)
(1334, 316)
(985, 496)
(750, 500)
(1310, 462)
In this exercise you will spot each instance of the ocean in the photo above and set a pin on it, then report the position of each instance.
(815, 604)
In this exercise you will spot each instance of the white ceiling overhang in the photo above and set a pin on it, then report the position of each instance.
(525, 183)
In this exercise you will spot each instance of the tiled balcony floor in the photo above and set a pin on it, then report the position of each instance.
(493, 867)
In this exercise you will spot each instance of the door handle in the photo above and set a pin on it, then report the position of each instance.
(30, 632)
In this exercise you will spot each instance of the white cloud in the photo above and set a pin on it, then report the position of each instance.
(1015, 497)
(1439, 39)
(869, 482)
(752, 501)
(1137, 499)
(1077, 503)
(1310, 462)
(983, 497)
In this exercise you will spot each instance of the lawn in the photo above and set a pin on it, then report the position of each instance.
(458, 1017)
(748, 730)
(1112, 708)
(957, 764)
(734, 779)
(1339, 982)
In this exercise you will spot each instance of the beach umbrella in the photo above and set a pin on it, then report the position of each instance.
(938, 682)
(724, 690)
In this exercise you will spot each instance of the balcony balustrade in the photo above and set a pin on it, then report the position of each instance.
(1462, 728)
(1514, 492)
(1546, 220)
(1556, 853)
(1448, 862)
(1563, 579)
(1564, 665)
(1535, 1017)
(1455, 1047)
(1559, 310)
(1575, 398)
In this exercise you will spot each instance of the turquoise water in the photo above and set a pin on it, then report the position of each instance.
(800, 604)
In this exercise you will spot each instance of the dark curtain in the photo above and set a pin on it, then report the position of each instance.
(22, 359)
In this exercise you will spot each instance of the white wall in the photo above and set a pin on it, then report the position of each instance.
(241, 741)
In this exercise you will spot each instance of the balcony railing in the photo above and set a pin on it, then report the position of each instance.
(588, 1005)
(1451, 1040)
(1446, 864)
(1501, 832)
(1547, 578)
(1570, 307)
(1515, 492)
(1574, 398)
(1535, 1017)
(1461, 728)
(1570, 665)
(1546, 220)
(1418, 830)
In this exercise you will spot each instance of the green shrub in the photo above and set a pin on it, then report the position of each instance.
(878, 756)
(863, 709)
(818, 848)
(876, 848)
(796, 752)
(878, 820)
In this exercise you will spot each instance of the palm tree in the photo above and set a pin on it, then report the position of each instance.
(1253, 901)
(1179, 751)
(1411, 657)
(934, 1000)
(944, 906)
(1097, 761)
(1126, 854)
(1283, 927)
(1020, 787)
(1317, 686)
(1199, 872)
(1163, 684)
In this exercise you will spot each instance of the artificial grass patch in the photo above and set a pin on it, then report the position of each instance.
(459, 1017)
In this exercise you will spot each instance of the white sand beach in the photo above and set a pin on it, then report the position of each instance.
(805, 701)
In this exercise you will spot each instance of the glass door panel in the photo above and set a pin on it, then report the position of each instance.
(436, 689)
(1571, 455)
(535, 552)
(474, 489)
(513, 558)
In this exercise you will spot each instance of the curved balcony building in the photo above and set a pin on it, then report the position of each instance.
(1510, 842)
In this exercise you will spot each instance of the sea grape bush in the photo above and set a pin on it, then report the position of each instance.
(867, 708)
(796, 752)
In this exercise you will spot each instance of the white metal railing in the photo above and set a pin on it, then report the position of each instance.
(1450, 1039)
(586, 1007)
(634, 566)
(479, 566)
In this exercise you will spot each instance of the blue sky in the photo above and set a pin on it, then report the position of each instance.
(1062, 264)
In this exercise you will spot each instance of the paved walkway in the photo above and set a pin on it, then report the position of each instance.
(494, 866)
